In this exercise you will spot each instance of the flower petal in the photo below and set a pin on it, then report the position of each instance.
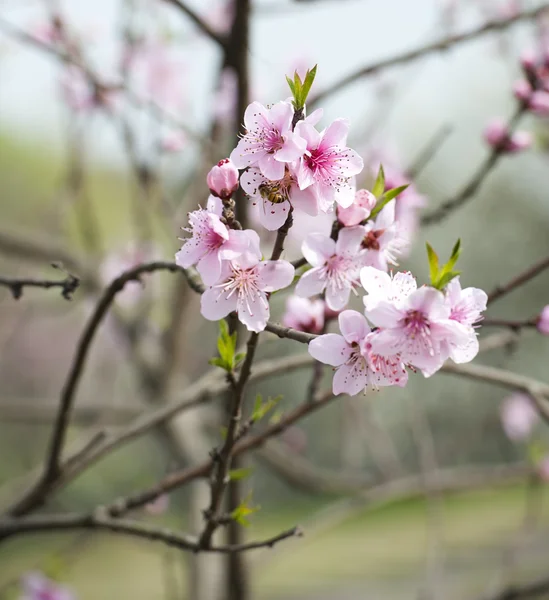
(209, 267)
(310, 283)
(337, 298)
(270, 167)
(253, 311)
(274, 275)
(318, 248)
(304, 200)
(335, 134)
(215, 303)
(272, 216)
(330, 349)
(351, 379)
(349, 240)
(353, 326)
(250, 181)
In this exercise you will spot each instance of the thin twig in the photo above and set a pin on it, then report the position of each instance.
(199, 22)
(55, 523)
(519, 280)
(416, 53)
(474, 184)
(15, 284)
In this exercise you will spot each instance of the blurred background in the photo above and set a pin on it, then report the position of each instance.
(98, 168)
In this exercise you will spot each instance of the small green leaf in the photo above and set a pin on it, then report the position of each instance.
(394, 192)
(241, 512)
(262, 408)
(379, 185)
(433, 264)
(223, 328)
(239, 358)
(291, 84)
(217, 362)
(238, 474)
(445, 279)
(276, 417)
(309, 79)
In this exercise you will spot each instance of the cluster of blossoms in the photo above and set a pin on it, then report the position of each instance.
(419, 328)
(532, 92)
(288, 165)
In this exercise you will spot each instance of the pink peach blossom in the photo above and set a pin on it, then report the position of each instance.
(351, 353)
(335, 266)
(518, 417)
(243, 287)
(359, 210)
(223, 179)
(328, 164)
(269, 142)
(304, 314)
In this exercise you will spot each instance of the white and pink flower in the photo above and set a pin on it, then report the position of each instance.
(363, 204)
(417, 327)
(276, 197)
(518, 417)
(357, 367)
(243, 287)
(269, 142)
(212, 242)
(383, 240)
(335, 266)
(327, 164)
(37, 586)
(304, 314)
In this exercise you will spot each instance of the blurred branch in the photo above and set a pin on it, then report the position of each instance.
(445, 44)
(199, 22)
(533, 589)
(430, 151)
(56, 523)
(520, 279)
(68, 285)
(474, 184)
(288, 332)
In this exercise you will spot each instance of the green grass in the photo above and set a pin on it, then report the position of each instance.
(384, 547)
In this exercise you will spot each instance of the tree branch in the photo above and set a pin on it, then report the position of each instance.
(68, 285)
(55, 523)
(439, 46)
(520, 279)
(199, 22)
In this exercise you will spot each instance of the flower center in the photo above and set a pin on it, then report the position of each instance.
(370, 240)
(244, 283)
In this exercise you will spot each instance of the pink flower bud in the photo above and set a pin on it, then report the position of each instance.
(223, 179)
(498, 136)
(518, 417)
(359, 210)
(539, 103)
(522, 90)
(543, 321)
(528, 61)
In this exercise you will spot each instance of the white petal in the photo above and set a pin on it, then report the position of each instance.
(330, 349)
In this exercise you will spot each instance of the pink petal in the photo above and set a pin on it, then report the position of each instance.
(250, 181)
(310, 284)
(190, 254)
(344, 196)
(255, 116)
(243, 157)
(349, 240)
(375, 282)
(330, 349)
(281, 115)
(270, 167)
(253, 311)
(209, 267)
(309, 134)
(429, 301)
(352, 215)
(215, 304)
(304, 200)
(318, 248)
(353, 163)
(217, 226)
(350, 379)
(384, 314)
(464, 353)
(353, 326)
(336, 134)
(214, 205)
(404, 284)
(305, 176)
(273, 216)
(314, 117)
(237, 243)
(274, 275)
(337, 298)
(255, 248)
(292, 149)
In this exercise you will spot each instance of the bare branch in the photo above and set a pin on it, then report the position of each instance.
(55, 523)
(520, 279)
(400, 59)
(474, 184)
(199, 22)
(527, 590)
(68, 285)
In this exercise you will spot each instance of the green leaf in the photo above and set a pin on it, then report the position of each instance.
(456, 251)
(241, 512)
(394, 192)
(239, 358)
(238, 474)
(433, 264)
(262, 408)
(291, 84)
(379, 185)
(276, 417)
(223, 328)
(445, 279)
(309, 79)
(217, 362)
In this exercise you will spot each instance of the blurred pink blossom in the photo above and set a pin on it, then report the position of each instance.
(173, 141)
(38, 587)
(304, 314)
(359, 210)
(159, 505)
(543, 321)
(498, 135)
(518, 417)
